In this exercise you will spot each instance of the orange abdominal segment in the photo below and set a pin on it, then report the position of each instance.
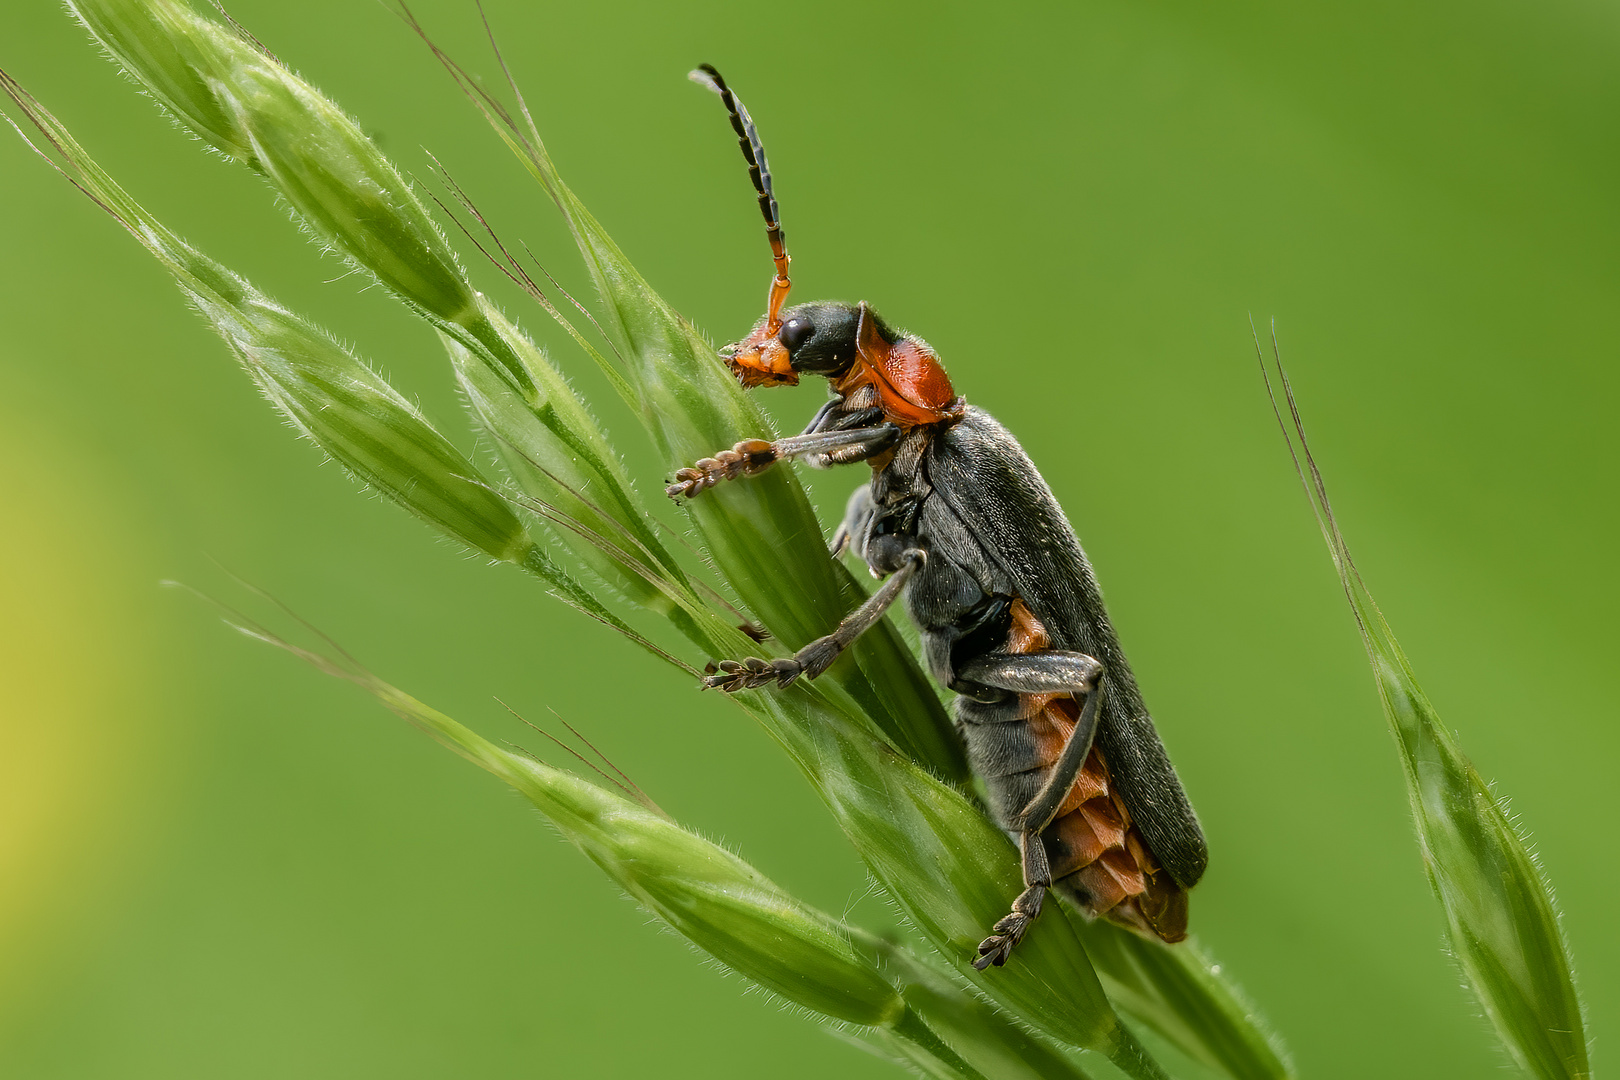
(1091, 845)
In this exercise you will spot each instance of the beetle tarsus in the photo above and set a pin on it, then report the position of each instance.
(751, 673)
(1009, 930)
(744, 459)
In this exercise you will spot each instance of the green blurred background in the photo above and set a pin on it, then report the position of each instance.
(215, 863)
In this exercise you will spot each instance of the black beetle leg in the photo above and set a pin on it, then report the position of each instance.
(816, 657)
(1049, 672)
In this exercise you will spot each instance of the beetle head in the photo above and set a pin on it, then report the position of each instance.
(846, 343)
(813, 339)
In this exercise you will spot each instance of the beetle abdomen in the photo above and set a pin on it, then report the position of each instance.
(1097, 855)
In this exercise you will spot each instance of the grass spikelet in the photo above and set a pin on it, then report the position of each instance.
(339, 402)
(235, 96)
(1500, 917)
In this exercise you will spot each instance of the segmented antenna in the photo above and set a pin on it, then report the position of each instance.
(759, 171)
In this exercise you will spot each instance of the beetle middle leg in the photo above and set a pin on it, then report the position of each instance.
(859, 514)
(816, 657)
(1048, 672)
(753, 456)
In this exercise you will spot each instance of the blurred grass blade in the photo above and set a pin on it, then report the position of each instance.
(351, 196)
(708, 895)
(1179, 993)
(1499, 910)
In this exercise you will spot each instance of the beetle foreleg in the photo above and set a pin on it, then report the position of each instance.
(752, 456)
(1049, 672)
(816, 657)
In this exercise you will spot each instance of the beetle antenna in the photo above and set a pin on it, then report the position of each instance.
(759, 171)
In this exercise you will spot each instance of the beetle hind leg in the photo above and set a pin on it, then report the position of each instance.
(1045, 672)
(1009, 929)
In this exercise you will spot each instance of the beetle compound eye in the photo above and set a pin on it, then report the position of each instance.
(795, 332)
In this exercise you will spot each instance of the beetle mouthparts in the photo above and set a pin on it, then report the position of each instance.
(752, 375)
(760, 360)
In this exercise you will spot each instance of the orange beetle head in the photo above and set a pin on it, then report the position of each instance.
(811, 339)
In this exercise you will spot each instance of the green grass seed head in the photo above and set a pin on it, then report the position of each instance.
(350, 195)
(711, 897)
(344, 406)
(251, 108)
(357, 417)
(1499, 912)
(544, 441)
(715, 900)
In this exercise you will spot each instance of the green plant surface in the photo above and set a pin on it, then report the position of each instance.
(336, 855)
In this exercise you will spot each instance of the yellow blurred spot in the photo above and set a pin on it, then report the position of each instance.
(75, 737)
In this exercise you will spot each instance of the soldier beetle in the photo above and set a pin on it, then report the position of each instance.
(971, 538)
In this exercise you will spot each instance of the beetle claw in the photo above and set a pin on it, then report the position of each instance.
(995, 949)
